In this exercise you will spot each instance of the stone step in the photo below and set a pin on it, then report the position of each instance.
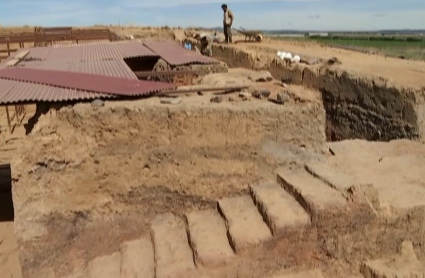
(302, 274)
(279, 209)
(137, 259)
(173, 255)
(105, 267)
(246, 226)
(335, 178)
(208, 236)
(313, 194)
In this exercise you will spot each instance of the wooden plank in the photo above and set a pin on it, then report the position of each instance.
(17, 58)
(201, 89)
(12, 62)
(8, 119)
(21, 55)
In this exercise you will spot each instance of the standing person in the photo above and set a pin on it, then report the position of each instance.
(227, 23)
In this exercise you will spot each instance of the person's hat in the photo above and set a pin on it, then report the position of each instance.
(224, 6)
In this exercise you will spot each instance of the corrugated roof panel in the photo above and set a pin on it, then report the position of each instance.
(85, 82)
(38, 53)
(135, 49)
(176, 54)
(16, 92)
(89, 52)
(112, 68)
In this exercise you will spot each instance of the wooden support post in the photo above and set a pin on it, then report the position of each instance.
(8, 119)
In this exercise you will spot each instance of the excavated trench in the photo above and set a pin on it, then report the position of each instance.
(357, 107)
(97, 176)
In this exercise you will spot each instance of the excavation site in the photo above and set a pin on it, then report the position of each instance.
(141, 158)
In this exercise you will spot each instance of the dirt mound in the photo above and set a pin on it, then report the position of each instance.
(94, 170)
(237, 77)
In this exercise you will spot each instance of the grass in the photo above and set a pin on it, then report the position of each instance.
(414, 50)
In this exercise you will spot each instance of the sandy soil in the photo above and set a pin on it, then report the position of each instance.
(138, 158)
(9, 262)
(9, 142)
(403, 72)
(144, 157)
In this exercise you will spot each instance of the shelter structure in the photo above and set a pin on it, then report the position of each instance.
(82, 72)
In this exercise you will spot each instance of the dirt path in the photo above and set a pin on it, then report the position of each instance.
(402, 72)
(9, 262)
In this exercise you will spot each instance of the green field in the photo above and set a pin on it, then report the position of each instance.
(409, 48)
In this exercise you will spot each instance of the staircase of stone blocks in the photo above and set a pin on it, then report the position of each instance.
(177, 247)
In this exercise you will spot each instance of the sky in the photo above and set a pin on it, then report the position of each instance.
(249, 14)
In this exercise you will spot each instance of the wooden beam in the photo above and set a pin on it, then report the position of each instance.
(143, 74)
(17, 58)
(6, 51)
(8, 119)
(204, 89)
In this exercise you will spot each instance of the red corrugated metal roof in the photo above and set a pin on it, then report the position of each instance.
(86, 52)
(85, 82)
(176, 54)
(16, 92)
(24, 85)
(112, 68)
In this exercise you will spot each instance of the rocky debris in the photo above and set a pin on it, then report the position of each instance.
(265, 93)
(97, 103)
(172, 101)
(231, 99)
(262, 93)
(261, 76)
(280, 83)
(256, 94)
(245, 96)
(406, 264)
(282, 97)
(216, 99)
(333, 61)
(310, 62)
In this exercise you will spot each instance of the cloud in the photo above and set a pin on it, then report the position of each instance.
(314, 16)
(379, 15)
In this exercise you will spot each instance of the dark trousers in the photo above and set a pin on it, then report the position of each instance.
(227, 33)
